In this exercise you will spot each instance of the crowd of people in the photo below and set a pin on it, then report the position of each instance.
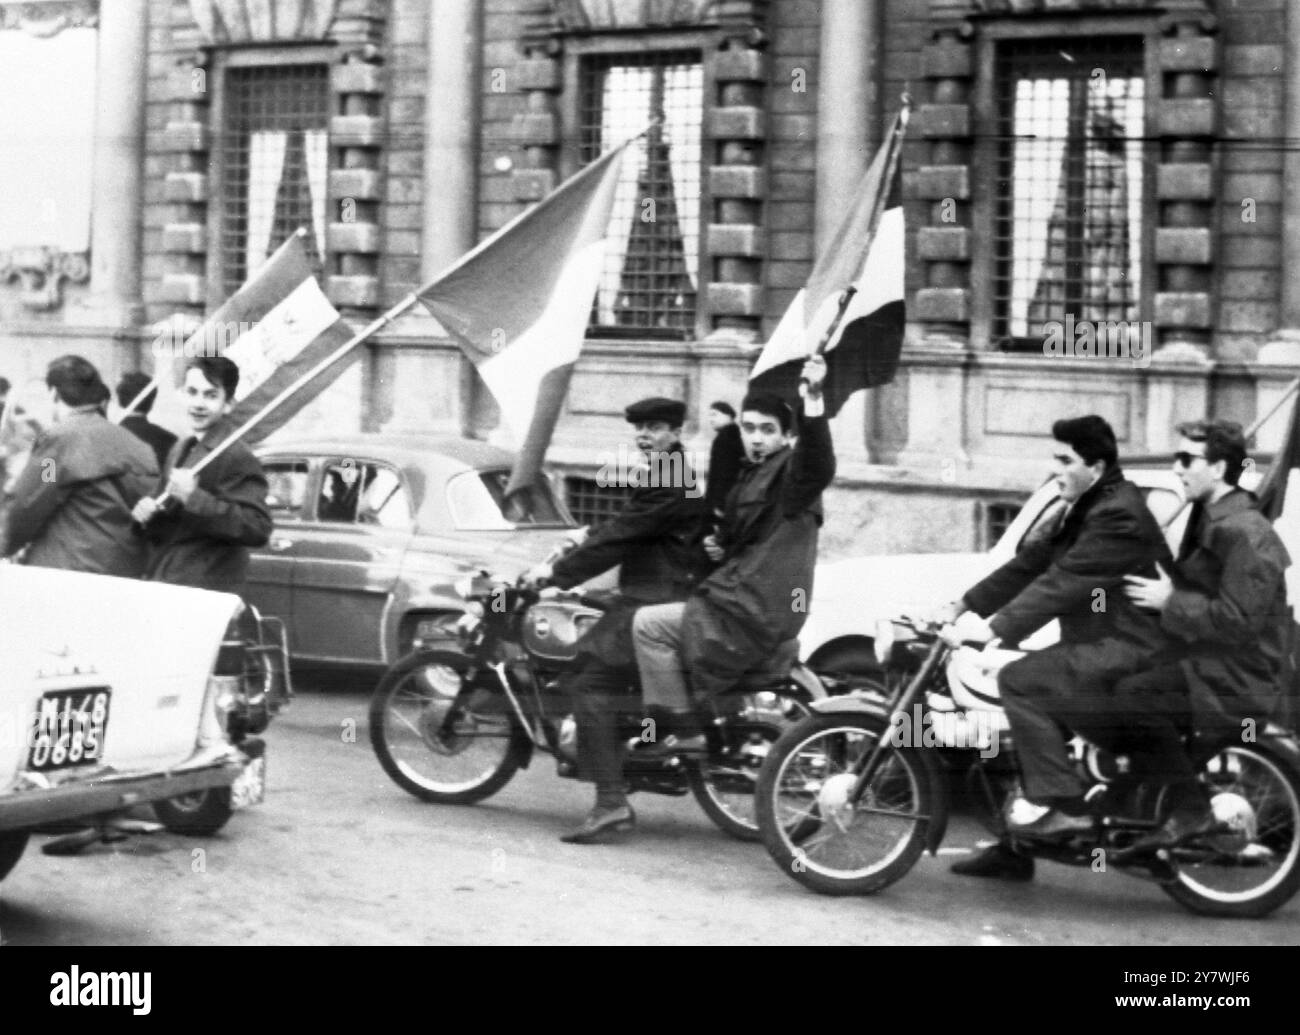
(83, 493)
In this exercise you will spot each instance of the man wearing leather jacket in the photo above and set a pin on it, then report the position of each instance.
(1226, 613)
(1075, 575)
(656, 539)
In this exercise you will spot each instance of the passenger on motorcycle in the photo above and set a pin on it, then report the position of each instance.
(1075, 575)
(767, 549)
(657, 540)
(1226, 613)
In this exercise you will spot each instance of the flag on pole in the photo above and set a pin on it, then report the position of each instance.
(276, 328)
(1274, 489)
(519, 305)
(867, 253)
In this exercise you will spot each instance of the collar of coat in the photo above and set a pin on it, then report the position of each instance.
(1230, 503)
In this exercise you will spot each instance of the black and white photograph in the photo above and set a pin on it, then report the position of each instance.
(728, 473)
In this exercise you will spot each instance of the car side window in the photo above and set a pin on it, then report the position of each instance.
(365, 493)
(286, 492)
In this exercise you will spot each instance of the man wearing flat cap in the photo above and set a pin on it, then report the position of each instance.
(657, 538)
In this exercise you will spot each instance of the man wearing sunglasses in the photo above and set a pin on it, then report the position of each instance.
(1225, 609)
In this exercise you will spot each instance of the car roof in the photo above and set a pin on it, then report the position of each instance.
(411, 450)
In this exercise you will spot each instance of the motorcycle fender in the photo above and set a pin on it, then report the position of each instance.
(851, 704)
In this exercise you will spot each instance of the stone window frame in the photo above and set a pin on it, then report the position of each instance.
(276, 56)
(707, 41)
(990, 36)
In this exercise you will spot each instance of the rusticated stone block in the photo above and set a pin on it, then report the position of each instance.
(536, 74)
(1190, 180)
(740, 66)
(947, 243)
(533, 184)
(727, 239)
(1186, 117)
(948, 61)
(185, 136)
(362, 238)
(739, 123)
(182, 289)
(943, 304)
(1183, 309)
(185, 187)
(185, 238)
(944, 120)
(536, 129)
(737, 181)
(1188, 245)
(356, 131)
(735, 299)
(362, 184)
(935, 182)
(358, 77)
(1188, 53)
(358, 292)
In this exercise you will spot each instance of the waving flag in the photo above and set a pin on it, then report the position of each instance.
(275, 328)
(866, 253)
(519, 305)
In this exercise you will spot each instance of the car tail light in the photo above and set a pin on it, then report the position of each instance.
(219, 700)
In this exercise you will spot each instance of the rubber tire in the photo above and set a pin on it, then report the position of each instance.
(12, 844)
(786, 859)
(1255, 908)
(210, 812)
(515, 756)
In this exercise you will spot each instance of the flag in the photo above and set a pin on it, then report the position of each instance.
(276, 328)
(1272, 491)
(519, 304)
(867, 253)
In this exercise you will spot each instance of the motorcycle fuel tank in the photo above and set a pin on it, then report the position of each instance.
(552, 628)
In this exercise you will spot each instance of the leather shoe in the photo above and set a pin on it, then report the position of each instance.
(672, 746)
(1179, 827)
(1051, 824)
(997, 860)
(602, 825)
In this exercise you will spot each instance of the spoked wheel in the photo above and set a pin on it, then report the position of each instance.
(1254, 867)
(430, 741)
(724, 784)
(857, 847)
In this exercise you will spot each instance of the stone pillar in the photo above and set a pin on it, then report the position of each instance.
(848, 121)
(451, 124)
(117, 198)
(1280, 357)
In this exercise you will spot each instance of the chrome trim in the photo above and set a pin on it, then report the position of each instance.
(500, 669)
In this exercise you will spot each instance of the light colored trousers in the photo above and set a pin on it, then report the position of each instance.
(657, 639)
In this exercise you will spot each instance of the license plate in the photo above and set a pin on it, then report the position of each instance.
(69, 729)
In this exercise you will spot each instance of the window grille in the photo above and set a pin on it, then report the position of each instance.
(590, 502)
(997, 519)
(1070, 173)
(650, 279)
(274, 165)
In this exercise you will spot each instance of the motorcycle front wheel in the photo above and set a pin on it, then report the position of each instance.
(431, 741)
(853, 848)
(1253, 866)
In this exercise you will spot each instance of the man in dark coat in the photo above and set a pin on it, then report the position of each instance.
(1075, 575)
(71, 505)
(160, 440)
(203, 539)
(767, 549)
(657, 540)
(1226, 609)
(726, 456)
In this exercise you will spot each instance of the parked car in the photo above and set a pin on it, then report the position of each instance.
(851, 596)
(372, 532)
(116, 693)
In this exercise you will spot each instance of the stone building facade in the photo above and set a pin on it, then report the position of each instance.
(1069, 163)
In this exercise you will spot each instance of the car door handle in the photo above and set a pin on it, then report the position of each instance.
(279, 544)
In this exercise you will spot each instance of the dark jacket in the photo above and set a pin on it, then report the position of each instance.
(769, 533)
(657, 538)
(726, 458)
(1076, 574)
(72, 503)
(206, 542)
(1229, 610)
(160, 440)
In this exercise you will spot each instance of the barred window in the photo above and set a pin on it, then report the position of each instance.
(651, 274)
(590, 502)
(1068, 226)
(275, 160)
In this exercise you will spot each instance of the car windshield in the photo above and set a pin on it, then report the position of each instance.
(478, 503)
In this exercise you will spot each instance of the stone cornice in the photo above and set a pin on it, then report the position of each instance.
(50, 17)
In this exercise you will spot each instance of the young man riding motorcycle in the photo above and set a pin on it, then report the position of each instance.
(1225, 610)
(767, 549)
(657, 540)
(1075, 575)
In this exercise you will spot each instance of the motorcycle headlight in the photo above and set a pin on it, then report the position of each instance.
(884, 642)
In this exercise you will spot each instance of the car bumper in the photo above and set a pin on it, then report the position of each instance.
(35, 806)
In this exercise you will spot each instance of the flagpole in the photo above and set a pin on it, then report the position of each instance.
(877, 210)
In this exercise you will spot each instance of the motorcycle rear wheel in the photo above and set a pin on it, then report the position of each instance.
(852, 850)
(429, 741)
(725, 792)
(1255, 868)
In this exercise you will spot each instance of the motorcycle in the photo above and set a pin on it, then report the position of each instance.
(850, 796)
(453, 726)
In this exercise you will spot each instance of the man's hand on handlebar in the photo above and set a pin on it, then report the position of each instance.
(536, 577)
(968, 628)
